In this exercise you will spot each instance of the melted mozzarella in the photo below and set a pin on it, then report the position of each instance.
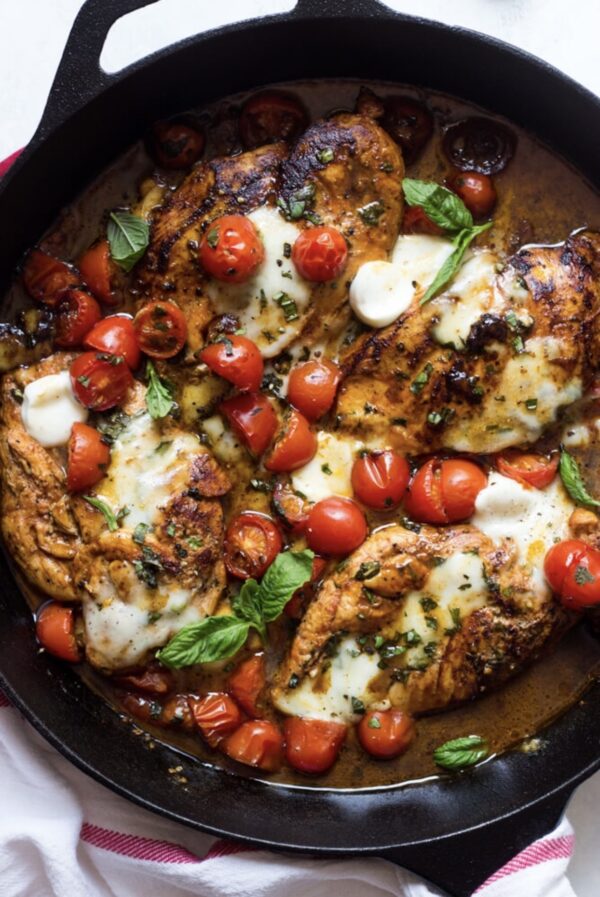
(50, 409)
(255, 301)
(471, 294)
(330, 470)
(222, 440)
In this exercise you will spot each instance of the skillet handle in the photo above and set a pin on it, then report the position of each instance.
(334, 8)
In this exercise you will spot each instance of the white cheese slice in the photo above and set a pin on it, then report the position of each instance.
(329, 472)
(223, 442)
(50, 409)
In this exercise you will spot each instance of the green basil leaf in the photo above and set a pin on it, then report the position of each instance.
(441, 205)
(247, 605)
(159, 395)
(128, 237)
(461, 752)
(462, 241)
(100, 505)
(573, 481)
(214, 638)
(288, 572)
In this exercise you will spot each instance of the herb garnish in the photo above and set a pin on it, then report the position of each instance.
(287, 305)
(367, 570)
(372, 212)
(159, 395)
(128, 237)
(461, 752)
(573, 481)
(111, 519)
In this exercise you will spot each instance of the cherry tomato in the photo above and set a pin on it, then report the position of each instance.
(385, 733)
(312, 387)
(88, 458)
(409, 122)
(295, 447)
(379, 479)
(97, 268)
(444, 491)
(415, 221)
(176, 145)
(312, 745)
(302, 596)
(271, 115)
(161, 329)
(216, 715)
(476, 190)
(237, 360)
(572, 568)
(55, 629)
(176, 711)
(290, 507)
(257, 743)
(246, 683)
(115, 335)
(320, 254)
(231, 249)
(46, 279)
(531, 468)
(154, 682)
(335, 526)
(252, 542)
(78, 312)
(252, 418)
(100, 381)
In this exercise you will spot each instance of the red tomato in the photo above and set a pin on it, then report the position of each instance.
(295, 447)
(252, 418)
(320, 254)
(312, 745)
(385, 734)
(77, 314)
(476, 190)
(100, 381)
(257, 743)
(154, 682)
(231, 249)
(216, 715)
(176, 145)
(335, 526)
(88, 458)
(290, 507)
(46, 279)
(55, 629)
(444, 491)
(271, 115)
(312, 387)
(246, 683)
(237, 360)
(252, 542)
(415, 221)
(531, 468)
(572, 568)
(161, 329)
(97, 268)
(379, 479)
(116, 335)
(302, 596)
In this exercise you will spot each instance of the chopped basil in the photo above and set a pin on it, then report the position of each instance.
(367, 570)
(140, 532)
(371, 213)
(128, 237)
(326, 469)
(212, 238)
(287, 305)
(357, 705)
(159, 394)
(101, 506)
(421, 379)
(325, 155)
(531, 404)
(374, 723)
(573, 481)
(461, 753)
(583, 575)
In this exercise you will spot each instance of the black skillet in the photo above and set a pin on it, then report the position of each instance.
(454, 831)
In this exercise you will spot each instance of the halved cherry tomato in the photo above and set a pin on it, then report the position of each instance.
(87, 458)
(572, 568)
(55, 629)
(476, 190)
(290, 507)
(176, 710)
(257, 743)
(531, 468)
(176, 145)
(97, 268)
(444, 491)
(246, 683)
(231, 249)
(271, 115)
(409, 122)
(236, 359)
(77, 314)
(100, 381)
(335, 526)
(295, 447)
(320, 254)
(379, 479)
(154, 682)
(116, 335)
(252, 418)
(415, 221)
(302, 596)
(216, 715)
(385, 734)
(312, 387)
(46, 279)
(161, 329)
(312, 745)
(252, 542)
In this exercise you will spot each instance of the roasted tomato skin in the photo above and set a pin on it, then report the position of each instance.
(176, 145)
(320, 254)
(572, 568)
(252, 542)
(291, 509)
(217, 715)
(444, 491)
(253, 419)
(424, 498)
(115, 335)
(87, 458)
(295, 448)
(312, 745)
(531, 468)
(385, 734)
(336, 526)
(256, 743)
(476, 190)
(55, 629)
(77, 313)
(271, 115)
(415, 221)
(151, 681)
(236, 359)
(100, 381)
(409, 122)
(379, 479)
(231, 249)
(247, 682)
(161, 329)
(479, 144)
(97, 269)
(46, 278)
(312, 387)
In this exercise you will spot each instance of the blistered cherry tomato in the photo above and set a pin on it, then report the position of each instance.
(295, 447)
(161, 329)
(312, 745)
(231, 249)
(444, 491)
(257, 743)
(46, 279)
(476, 190)
(572, 568)
(252, 418)
(415, 221)
(409, 122)
(252, 542)
(87, 458)
(385, 734)
(236, 359)
(335, 526)
(302, 596)
(479, 144)
(97, 268)
(115, 335)
(531, 468)
(379, 479)
(77, 314)
(175, 144)
(216, 715)
(154, 682)
(312, 387)
(290, 507)
(271, 115)
(55, 629)
(246, 683)
(100, 381)
(320, 254)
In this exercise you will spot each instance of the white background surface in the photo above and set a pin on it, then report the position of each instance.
(32, 35)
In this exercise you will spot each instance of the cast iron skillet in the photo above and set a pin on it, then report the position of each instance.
(454, 831)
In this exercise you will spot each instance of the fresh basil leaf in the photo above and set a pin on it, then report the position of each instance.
(100, 505)
(441, 205)
(247, 605)
(461, 752)
(214, 638)
(573, 481)
(289, 571)
(128, 237)
(461, 242)
(159, 395)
